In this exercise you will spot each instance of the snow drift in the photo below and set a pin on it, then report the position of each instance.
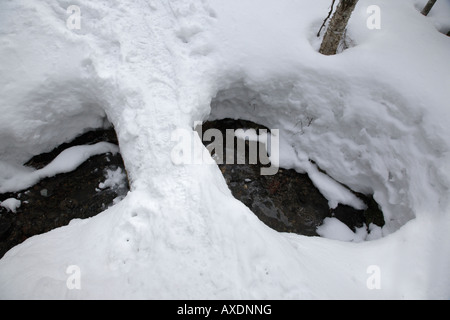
(373, 117)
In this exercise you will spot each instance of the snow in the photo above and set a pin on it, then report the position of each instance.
(333, 191)
(333, 228)
(11, 204)
(438, 14)
(374, 118)
(115, 179)
(67, 161)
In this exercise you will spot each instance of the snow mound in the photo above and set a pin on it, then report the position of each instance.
(11, 204)
(374, 118)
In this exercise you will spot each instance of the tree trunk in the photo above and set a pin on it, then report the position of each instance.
(428, 7)
(337, 26)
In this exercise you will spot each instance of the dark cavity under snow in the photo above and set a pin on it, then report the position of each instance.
(286, 202)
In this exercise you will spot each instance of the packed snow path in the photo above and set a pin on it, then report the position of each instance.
(373, 117)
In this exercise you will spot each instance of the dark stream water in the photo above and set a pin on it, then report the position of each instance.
(54, 201)
(287, 201)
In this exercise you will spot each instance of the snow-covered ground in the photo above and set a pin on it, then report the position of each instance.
(374, 117)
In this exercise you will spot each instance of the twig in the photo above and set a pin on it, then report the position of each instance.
(326, 19)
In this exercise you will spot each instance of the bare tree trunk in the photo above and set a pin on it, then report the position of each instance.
(337, 27)
(428, 7)
(326, 19)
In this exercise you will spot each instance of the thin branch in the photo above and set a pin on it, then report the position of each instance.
(326, 19)
(428, 7)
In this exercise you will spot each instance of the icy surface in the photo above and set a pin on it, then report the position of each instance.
(374, 117)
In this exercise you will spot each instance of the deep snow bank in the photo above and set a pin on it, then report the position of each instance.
(373, 117)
